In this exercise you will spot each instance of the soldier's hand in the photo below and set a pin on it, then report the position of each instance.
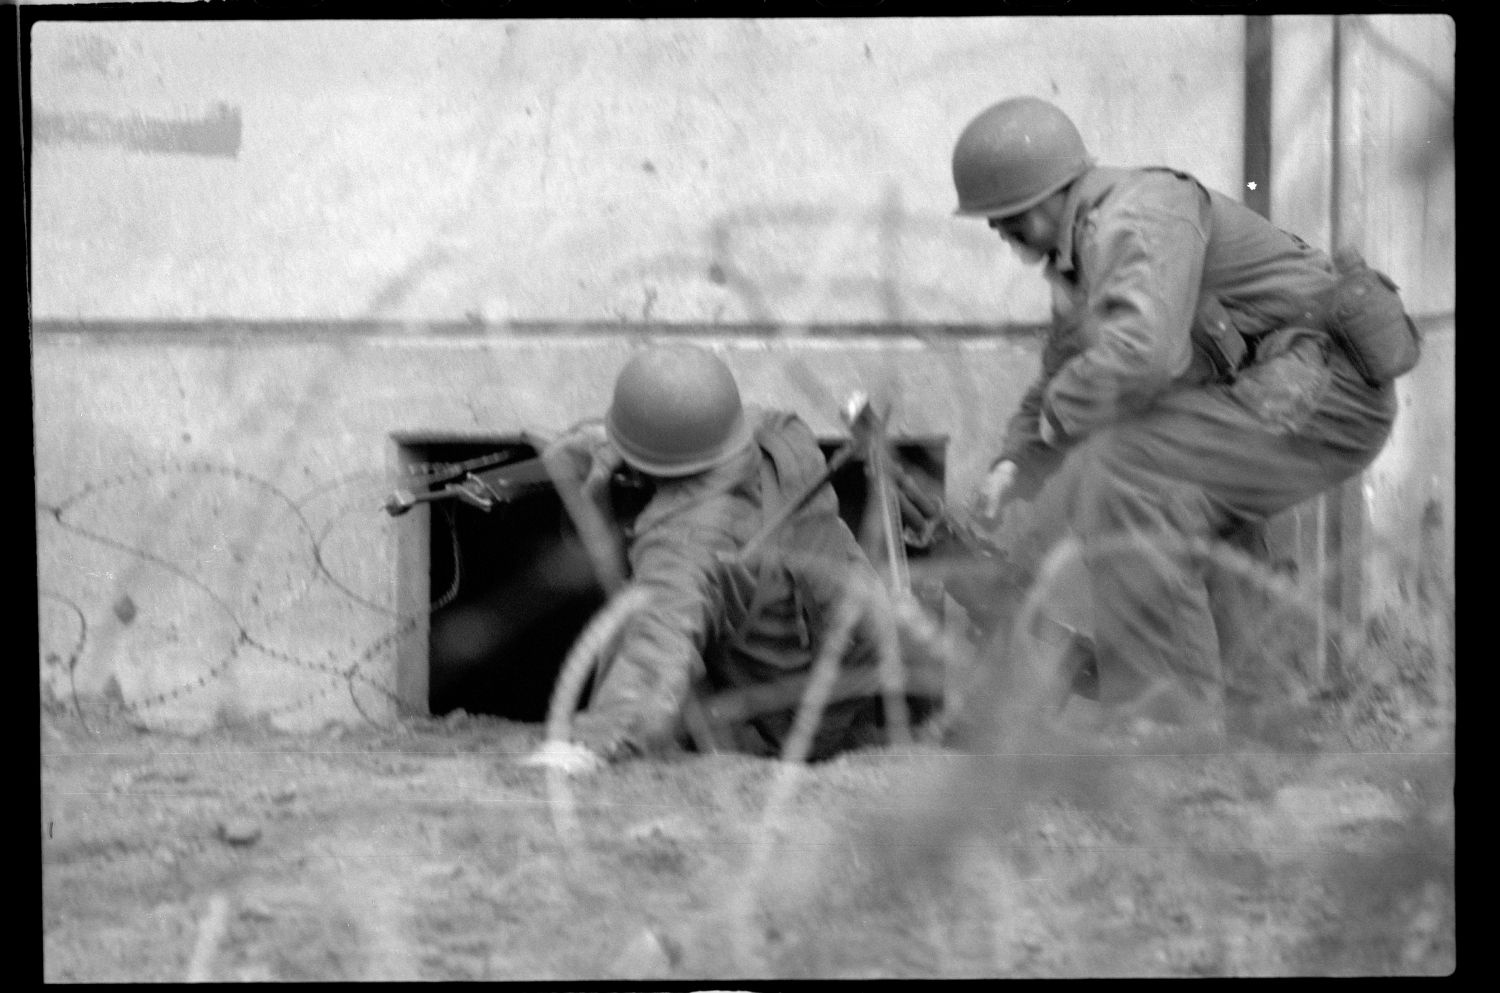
(567, 757)
(603, 735)
(989, 497)
(1048, 432)
(606, 462)
(573, 453)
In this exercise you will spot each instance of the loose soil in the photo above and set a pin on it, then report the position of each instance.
(426, 851)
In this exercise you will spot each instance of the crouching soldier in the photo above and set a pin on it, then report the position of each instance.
(1204, 371)
(720, 652)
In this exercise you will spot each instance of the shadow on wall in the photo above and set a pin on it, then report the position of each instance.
(294, 581)
(215, 134)
(293, 603)
(742, 276)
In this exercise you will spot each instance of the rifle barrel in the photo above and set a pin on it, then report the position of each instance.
(501, 484)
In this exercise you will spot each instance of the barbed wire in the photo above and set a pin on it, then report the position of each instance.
(77, 651)
(1288, 594)
(931, 827)
(343, 675)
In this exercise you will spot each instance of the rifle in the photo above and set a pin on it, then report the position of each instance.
(491, 479)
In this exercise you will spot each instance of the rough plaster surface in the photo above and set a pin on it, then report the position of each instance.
(1398, 202)
(211, 542)
(206, 507)
(1381, 177)
(706, 171)
(1410, 490)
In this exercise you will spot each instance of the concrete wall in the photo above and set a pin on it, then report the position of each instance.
(713, 171)
(1363, 154)
(212, 544)
(209, 536)
(1397, 197)
(503, 209)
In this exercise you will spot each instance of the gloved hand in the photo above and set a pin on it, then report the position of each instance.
(989, 497)
(604, 735)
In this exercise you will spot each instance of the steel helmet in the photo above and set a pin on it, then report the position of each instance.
(676, 411)
(1013, 156)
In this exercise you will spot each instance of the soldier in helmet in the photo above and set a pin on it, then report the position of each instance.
(714, 621)
(1192, 385)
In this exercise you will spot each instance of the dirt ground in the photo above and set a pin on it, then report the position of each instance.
(427, 851)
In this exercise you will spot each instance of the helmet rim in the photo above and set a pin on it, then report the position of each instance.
(676, 411)
(1013, 155)
(1025, 203)
(670, 466)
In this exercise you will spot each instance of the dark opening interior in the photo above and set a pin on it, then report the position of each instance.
(524, 591)
(525, 588)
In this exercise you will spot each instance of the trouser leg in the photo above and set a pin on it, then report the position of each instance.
(1154, 633)
(1266, 637)
(1235, 601)
(1199, 464)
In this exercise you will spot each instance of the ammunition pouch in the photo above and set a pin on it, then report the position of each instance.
(1364, 314)
(1219, 350)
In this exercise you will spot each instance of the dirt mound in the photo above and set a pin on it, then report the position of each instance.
(429, 852)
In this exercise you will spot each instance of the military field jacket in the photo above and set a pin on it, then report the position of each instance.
(711, 615)
(1157, 281)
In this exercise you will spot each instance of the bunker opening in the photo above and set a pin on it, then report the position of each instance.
(509, 589)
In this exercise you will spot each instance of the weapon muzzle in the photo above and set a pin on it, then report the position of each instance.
(400, 502)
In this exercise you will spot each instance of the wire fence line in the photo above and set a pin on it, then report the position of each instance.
(305, 561)
(252, 623)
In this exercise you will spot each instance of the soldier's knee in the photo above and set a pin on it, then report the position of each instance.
(1101, 485)
(1119, 490)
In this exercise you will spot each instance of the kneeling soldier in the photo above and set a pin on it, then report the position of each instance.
(722, 648)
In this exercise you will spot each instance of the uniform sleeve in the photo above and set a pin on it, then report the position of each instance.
(1141, 257)
(1023, 432)
(1023, 438)
(660, 649)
